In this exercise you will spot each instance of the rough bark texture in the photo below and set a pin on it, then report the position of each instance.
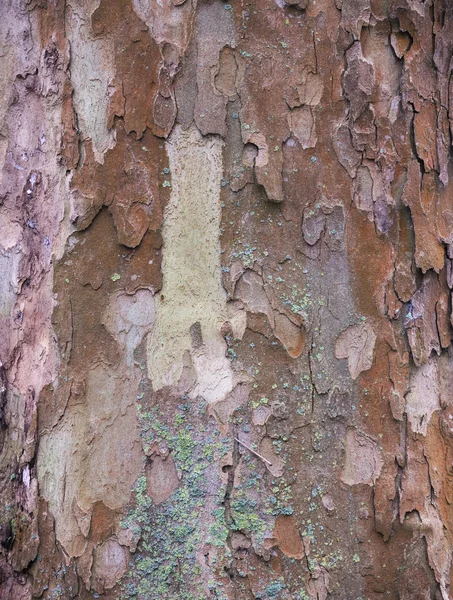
(226, 253)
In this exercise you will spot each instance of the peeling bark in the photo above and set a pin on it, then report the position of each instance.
(226, 245)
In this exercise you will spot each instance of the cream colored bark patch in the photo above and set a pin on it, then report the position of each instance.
(423, 397)
(363, 462)
(439, 547)
(93, 454)
(128, 317)
(302, 124)
(356, 343)
(225, 408)
(250, 290)
(109, 565)
(268, 451)
(192, 296)
(92, 71)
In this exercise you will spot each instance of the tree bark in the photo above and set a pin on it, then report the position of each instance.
(226, 246)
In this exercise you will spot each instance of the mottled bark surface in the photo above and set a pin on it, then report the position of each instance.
(226, 253)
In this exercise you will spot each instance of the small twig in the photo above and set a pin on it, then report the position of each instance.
(253, 452)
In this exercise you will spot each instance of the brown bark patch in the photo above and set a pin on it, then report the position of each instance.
(161, 478)
(287, 537)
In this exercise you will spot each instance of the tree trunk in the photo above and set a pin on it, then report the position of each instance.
(226, 246)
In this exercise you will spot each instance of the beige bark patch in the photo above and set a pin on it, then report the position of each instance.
(289, 334)
(167, 24)
(237, 317)
(92, 70)
(250, 290)
(129, 317)
(425, 135)
(439, 547)
(192, 291)
(10, 233)
(109, 565)
(83, 518)
(261, 415)
(363, 191)
(423, 397)
(311, 88)
(93, 454)
(328, 503)
(356, 343)
(363, 462)
(85, 564)
(267, 450)
(161, 478)
(268, 165)
(313, 224)
(225, 408)
(302, 124)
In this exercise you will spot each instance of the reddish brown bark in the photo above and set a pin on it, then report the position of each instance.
(226, 251)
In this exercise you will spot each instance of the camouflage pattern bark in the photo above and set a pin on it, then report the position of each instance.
(226, 246)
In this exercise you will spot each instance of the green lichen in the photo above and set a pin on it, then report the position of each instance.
(166, 564)
(273, 590)
(247, 255)
(279, 502)
(244, 512)
(299, 302)
(218, 531)
(260, 402)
